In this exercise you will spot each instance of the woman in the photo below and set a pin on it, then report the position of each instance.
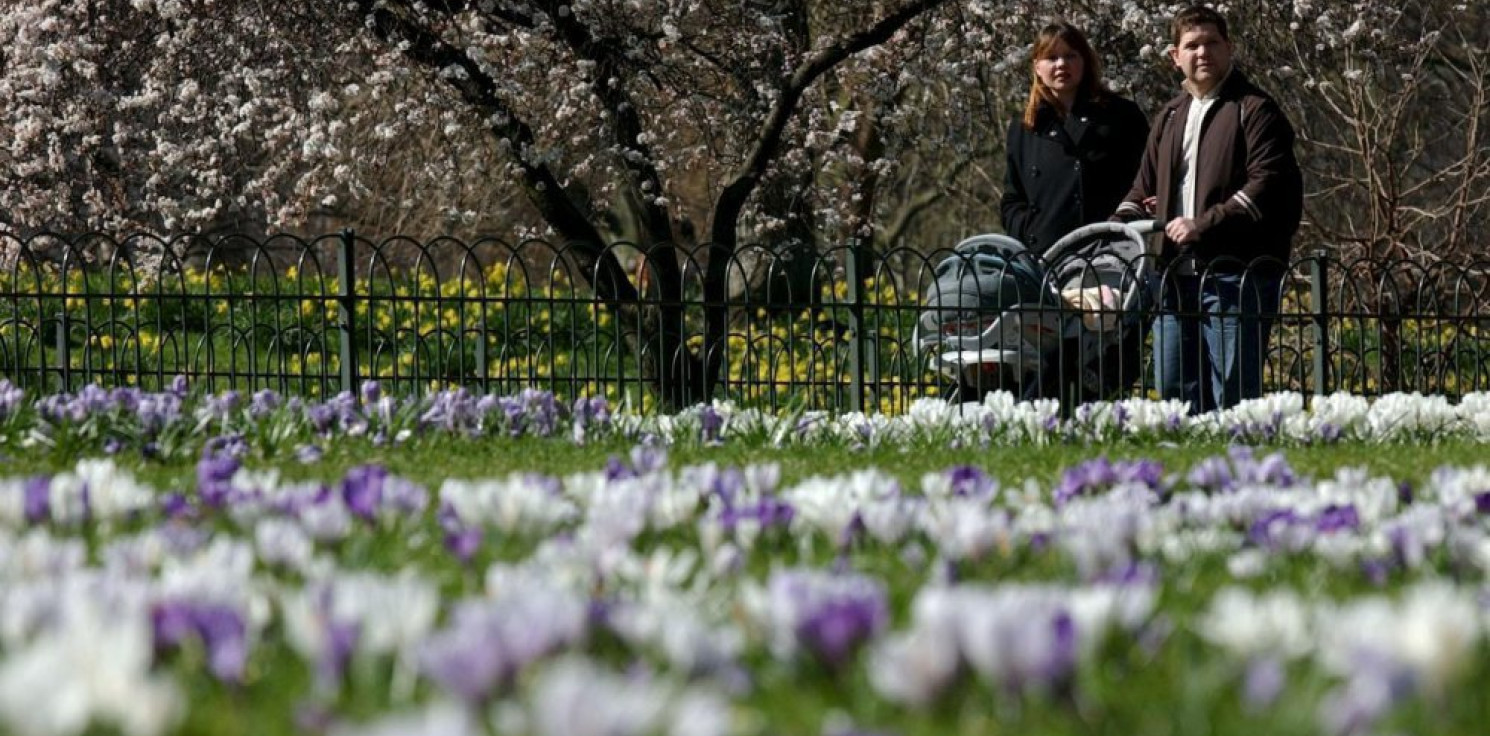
(1074, 153)
(1072, 157)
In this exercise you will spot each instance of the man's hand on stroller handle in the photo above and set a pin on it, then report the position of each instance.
(1182, 230)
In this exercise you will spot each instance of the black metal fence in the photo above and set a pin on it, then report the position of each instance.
(834, 330)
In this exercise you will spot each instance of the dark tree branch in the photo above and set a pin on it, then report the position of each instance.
(732, 199)
(543, 187)
(609, 58)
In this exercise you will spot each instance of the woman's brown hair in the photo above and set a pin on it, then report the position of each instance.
(1090, 87)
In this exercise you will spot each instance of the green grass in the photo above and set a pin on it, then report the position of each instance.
(430, 461)
(1183, 687)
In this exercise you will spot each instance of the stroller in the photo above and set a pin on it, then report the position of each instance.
(1066, 324)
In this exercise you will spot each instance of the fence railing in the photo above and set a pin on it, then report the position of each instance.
(834, 330)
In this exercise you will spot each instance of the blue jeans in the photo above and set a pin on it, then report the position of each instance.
(1211, 337)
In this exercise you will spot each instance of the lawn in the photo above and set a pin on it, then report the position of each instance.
(186, 563)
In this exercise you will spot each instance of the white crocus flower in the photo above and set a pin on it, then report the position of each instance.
(391, 613)
(1475, 410)
(1345, 412)
(576, 698)
(280, 541)
(93, 667)
(1433, 631)
(516, 505)
(914, 667)
(831, 504)
(443, 718)
(678, 627)
(1275, 623)
(97, 489)
(1403, 416)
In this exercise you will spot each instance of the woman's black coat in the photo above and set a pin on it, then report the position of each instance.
(1072, 172)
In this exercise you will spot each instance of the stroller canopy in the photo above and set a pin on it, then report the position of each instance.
(987, 273)
(1104, 254)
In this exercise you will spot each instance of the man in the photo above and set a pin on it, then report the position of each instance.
(1219, 171)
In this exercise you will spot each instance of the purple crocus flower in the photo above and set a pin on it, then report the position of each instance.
(309, 454)
(94, 399)
(228, 445)
(1272, 469)
(221, 406)
(829, 615)
(1263, 682)
(349, 418)
(362, 490)
(371, 391)
(970, 481)
(1336, 518)
(38, 501)
(175, 505)
(513, 417)
(294, 500)
(1270, 528)
(542, 411)
(587, 413)
(616, 469)
(1329, 434)
(648, 459)
(595, 410)
(155, 412)
(1143, 574)
(1404, 492)
(488, 642)
(1212, 474)
(214, 468)
(11, 398)
(726, 484)
(214, 476)
(711, 424)
(1061, 663)
(220, 628)
(471, 670)
(321, 417)
(767, 512)
(1482, 503)
(1372, 690)
(1376, 571)
(463, 542)
(1100, 474)
(341, 643)
(461, 539)
(404, 496)
(835, 630)
(263, 403)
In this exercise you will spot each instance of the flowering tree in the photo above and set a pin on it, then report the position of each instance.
(174, 114)
(728, 123)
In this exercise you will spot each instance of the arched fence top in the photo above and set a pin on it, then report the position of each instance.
(835, 325)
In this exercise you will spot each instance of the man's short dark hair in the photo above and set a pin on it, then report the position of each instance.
(1195, 16)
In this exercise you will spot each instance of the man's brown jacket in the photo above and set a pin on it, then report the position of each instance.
(1249, 191)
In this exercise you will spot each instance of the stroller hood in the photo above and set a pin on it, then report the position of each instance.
(1104, 254)
(986, 273)
(1110, 240)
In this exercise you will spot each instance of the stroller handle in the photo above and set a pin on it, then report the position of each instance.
(1144, 227)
